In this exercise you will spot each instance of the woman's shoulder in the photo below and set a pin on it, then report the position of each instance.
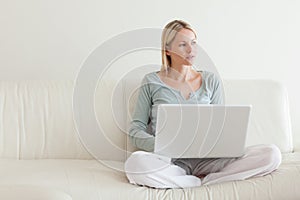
(208, 75)
(210, 79)
(150, 77)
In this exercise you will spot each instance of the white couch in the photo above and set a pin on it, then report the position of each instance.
(42, 156)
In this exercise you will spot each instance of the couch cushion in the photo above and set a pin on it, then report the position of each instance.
(17, 192)
(92, 180)
(37, 117)
(36, 121)
(270, 118)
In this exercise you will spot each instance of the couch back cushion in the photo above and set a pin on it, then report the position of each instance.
(36, 121)
(270, 119)
(36, 117)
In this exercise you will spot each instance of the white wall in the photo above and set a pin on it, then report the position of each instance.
(245, 39)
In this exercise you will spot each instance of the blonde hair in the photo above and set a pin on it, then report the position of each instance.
(168, 35)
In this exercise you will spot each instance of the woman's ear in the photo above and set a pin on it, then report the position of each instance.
(167, 50)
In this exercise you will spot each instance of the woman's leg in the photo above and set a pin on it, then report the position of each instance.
(144, 168)
(258, 161)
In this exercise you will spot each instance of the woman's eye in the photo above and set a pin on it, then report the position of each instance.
(181, 45)
(194, 42)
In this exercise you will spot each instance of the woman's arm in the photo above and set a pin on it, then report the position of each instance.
(217, 96)
(138, 127)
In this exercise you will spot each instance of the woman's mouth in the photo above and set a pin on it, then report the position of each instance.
(189, 57)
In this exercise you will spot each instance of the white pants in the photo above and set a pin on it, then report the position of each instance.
(144, 168)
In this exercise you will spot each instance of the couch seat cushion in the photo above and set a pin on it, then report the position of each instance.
(17, 192)
(91, 180)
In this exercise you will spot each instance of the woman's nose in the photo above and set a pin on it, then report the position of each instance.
(189, 48)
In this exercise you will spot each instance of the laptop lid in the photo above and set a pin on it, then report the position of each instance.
(201, 130)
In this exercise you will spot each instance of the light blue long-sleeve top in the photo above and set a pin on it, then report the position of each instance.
(153, 91)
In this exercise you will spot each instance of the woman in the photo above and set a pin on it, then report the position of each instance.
(178, 83)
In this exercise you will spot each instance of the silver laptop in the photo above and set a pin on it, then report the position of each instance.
(201, 131)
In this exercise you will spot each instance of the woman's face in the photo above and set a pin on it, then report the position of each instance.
(183, 48)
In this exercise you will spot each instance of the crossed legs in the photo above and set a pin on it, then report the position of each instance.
(144, 168)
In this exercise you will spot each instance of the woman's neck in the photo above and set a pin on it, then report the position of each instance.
(180, 72)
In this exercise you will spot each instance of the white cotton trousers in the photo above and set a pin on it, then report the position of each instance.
(149, 169)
